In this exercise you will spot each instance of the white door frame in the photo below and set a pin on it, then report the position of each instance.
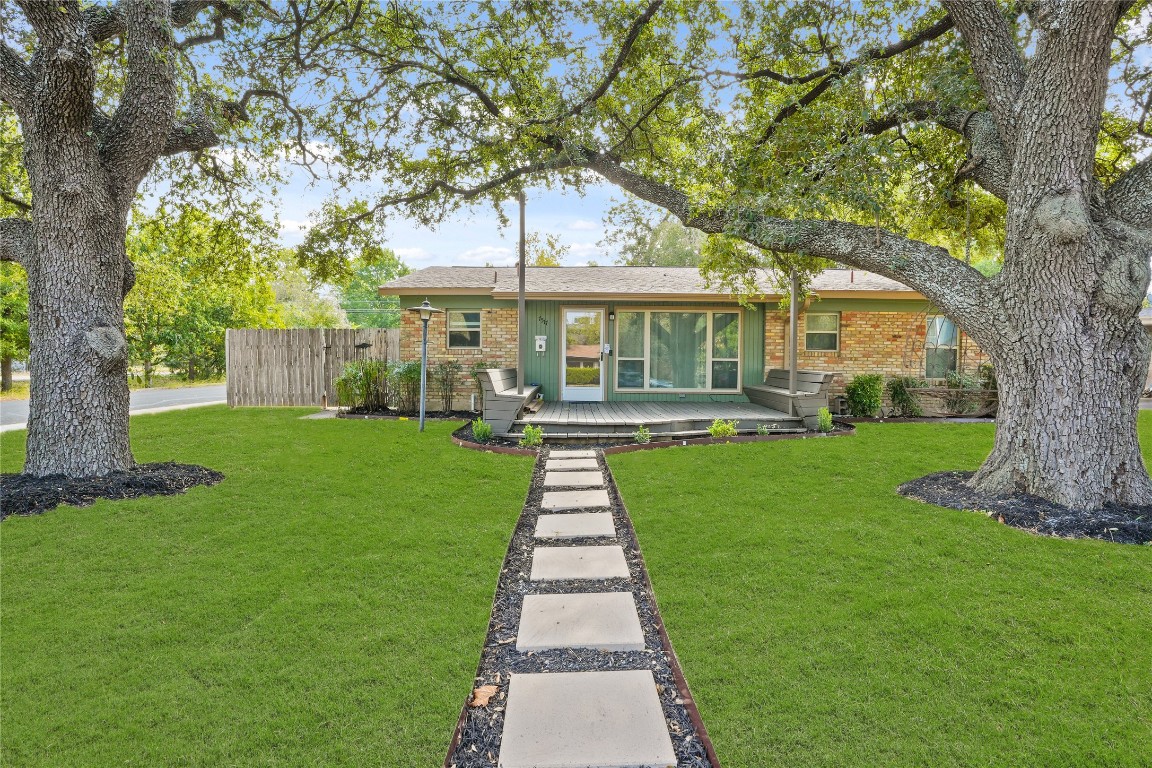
(582, 393)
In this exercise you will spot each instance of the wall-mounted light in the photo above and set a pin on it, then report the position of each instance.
(611, 317)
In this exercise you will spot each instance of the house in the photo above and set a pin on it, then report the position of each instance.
(658, 334)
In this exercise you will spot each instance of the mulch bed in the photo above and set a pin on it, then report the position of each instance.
(26, 495)
(480, 728)
(357, 413)
(1120, 524)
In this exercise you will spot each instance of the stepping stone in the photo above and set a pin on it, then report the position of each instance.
(575, 525)
(572, 479)
(554, 454)
(606, 620)
(574, 499)
(556, 563)
(553, 465)
(585, 719)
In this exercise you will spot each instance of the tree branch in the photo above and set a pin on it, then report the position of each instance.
(996, 59)
(1130, 197)
(16, 240)
(107, 21)
(16, 202)
(15, 79)
(962, 292)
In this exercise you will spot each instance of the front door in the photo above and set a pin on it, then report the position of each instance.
(581, 375)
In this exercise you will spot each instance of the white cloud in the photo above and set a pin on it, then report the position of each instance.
(413, 254)
(293, 226)
(582, 253)
(583, 225)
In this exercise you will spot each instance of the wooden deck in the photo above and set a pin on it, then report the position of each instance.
(562, 420)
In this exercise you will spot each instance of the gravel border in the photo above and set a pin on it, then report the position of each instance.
(476, 743)
(1122, 525)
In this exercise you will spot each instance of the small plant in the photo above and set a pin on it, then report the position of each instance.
(363, 385)
(444, 375)
(900, 394)
(404, 383)
(761, 429)
(964, 395)
(722, 428)
(824, 420)
(643, 434)
(864, 394)
(533, 436)
(481, 430)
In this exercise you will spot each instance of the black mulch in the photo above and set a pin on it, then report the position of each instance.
(1123, 525)
(25, 495)
(393, 414)
(483, 727)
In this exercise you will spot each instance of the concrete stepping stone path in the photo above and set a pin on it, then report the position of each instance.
(607, 621)
(573, 479)
(585, 720)
(595, 711)
(575, 525)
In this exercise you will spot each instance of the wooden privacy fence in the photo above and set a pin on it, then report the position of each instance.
(298, 366)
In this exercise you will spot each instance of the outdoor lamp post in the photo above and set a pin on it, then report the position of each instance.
(426, 311)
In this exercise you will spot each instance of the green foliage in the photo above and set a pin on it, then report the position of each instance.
(645, 237)
(533, 437)
(642, 434)
(404, 385)
(359, 295)
(722, 428)
(13, 312)
(963, 393)
(298, 302)
(864, 394)
(823, 420)
(481, 430)
(363, 385)
(546, 251)
(762, 429)
(902, 396)
(579, 376)
(443, 376)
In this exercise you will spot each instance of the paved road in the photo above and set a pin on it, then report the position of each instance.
(16, 411)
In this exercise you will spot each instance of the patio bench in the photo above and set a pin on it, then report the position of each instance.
(502, 403)
(810, 396)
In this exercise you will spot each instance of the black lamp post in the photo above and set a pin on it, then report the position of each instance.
(426, 311)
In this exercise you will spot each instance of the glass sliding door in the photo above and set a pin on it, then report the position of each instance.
(678, 350)
(582, 376)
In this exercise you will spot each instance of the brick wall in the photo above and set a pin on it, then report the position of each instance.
(888, 343)
(497, 348)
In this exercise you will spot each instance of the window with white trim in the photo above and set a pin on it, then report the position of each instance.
(680, 349)
(464, 329)
(941, 343)
(822, 332)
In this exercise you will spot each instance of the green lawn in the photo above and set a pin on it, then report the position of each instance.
(324, 605)
(822, 620)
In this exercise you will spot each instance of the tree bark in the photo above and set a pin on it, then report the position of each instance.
(6, 374)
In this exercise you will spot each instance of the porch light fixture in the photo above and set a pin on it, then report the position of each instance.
(426, 311)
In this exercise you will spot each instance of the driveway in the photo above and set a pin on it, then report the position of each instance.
(14, 413)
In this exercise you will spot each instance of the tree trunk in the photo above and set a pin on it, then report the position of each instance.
(78, 411)
(6, 374)
(148, 369)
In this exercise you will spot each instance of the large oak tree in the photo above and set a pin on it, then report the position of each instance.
(835, 130)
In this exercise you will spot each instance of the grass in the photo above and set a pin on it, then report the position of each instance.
(19, 389)
(822, 620)
(324, 605)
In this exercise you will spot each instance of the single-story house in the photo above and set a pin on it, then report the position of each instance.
(628, 334)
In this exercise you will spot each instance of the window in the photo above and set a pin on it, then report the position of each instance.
(677, 350)
(941, 340)
(822, 333)
(464, 329)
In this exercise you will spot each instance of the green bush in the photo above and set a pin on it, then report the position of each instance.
(533, 436)
(579, 376)
(824, 420)
(481, 430)
(864, 394)
(404, 383)
(761, 429)
(643, 434)
(903, 400)
(963, 393)
(444, 375)
(722, 428)
(363, 385)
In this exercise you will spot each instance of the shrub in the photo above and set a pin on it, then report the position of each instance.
(904, 402)
(963, 393)
(824, 420)
(444, 376)
(404, 382)
(761, 429)
(533, 436)
(363, 384)
(864, 394)
(579, 376)
(643, 434)
(481, 430)
(722, 428)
